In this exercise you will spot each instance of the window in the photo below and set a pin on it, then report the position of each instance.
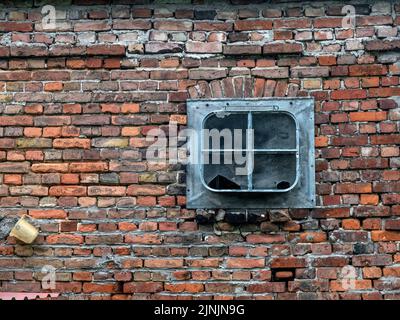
(274, 150)
(251, 153)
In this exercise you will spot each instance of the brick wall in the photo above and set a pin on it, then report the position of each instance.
(76, 103)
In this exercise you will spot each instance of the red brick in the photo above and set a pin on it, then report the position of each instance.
(327, 60)
(314, 236)
(241, 49)
(172, 25)
(163, 263)
(106, 191)
(64, 239)
(16, 26)
(71, 143)
(288, 262)
(392, 225)
(97, 287)
(340, 285)
(267, 287)
(88, 166)
(143, 287)
(48, 214)
(255, 238)
(328, 22)
(368, 116)
(369, 199)
(50, 167)
(15, 179)
(16, 121)
(368, 70)
(14, 167)
(353, 188)
(247, 25)
(67, 191)
(203, 47)
(140, 190)
(245, 263)
(7, 143)
(386, 139)
(184, 287)
(271, 73)
(278, 48)
(350, 94)
(292, 23)
(143, 238)
(100, 49)
(351, 224)
(385, 235)
(213, 26)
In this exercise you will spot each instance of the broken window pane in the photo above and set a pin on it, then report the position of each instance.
(223, 128)
(274, 171)
(274, 130)
(223, 176)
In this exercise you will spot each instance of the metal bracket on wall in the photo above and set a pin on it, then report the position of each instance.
(283, 150)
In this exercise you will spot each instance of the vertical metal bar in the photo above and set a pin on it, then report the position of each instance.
(249, 153)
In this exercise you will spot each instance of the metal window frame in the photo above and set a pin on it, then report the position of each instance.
(300, 194)
(253, 151)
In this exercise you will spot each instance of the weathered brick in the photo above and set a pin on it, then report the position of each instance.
(353, 188)
(241, 49)
(110, 142)
(367, 70)
(113, 50)
(292, 23)
(88, 166)
(143, 287)
(67, 191)
(16, 26)
(64, 239)
(245, 263)
(288, 262)
(71, 143)
(49, 167)
(161, 47)
(16, 121)
(203, 47)
(171, 25)
(310, 72)
(271, 73)
(136, 24)
(381, 235)
(280, 48)
(48, 214)
(106, 191)
(382, 45)
(213, 26)
(25, 143)
(246, 25)
(207, 74)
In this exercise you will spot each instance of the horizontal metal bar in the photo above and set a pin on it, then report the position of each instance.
(252, 190)
(250, 150)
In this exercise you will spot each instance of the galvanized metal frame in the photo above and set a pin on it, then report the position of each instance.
(253, 151)
(301, 194)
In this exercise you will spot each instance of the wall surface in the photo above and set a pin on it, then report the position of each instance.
(77, 100)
